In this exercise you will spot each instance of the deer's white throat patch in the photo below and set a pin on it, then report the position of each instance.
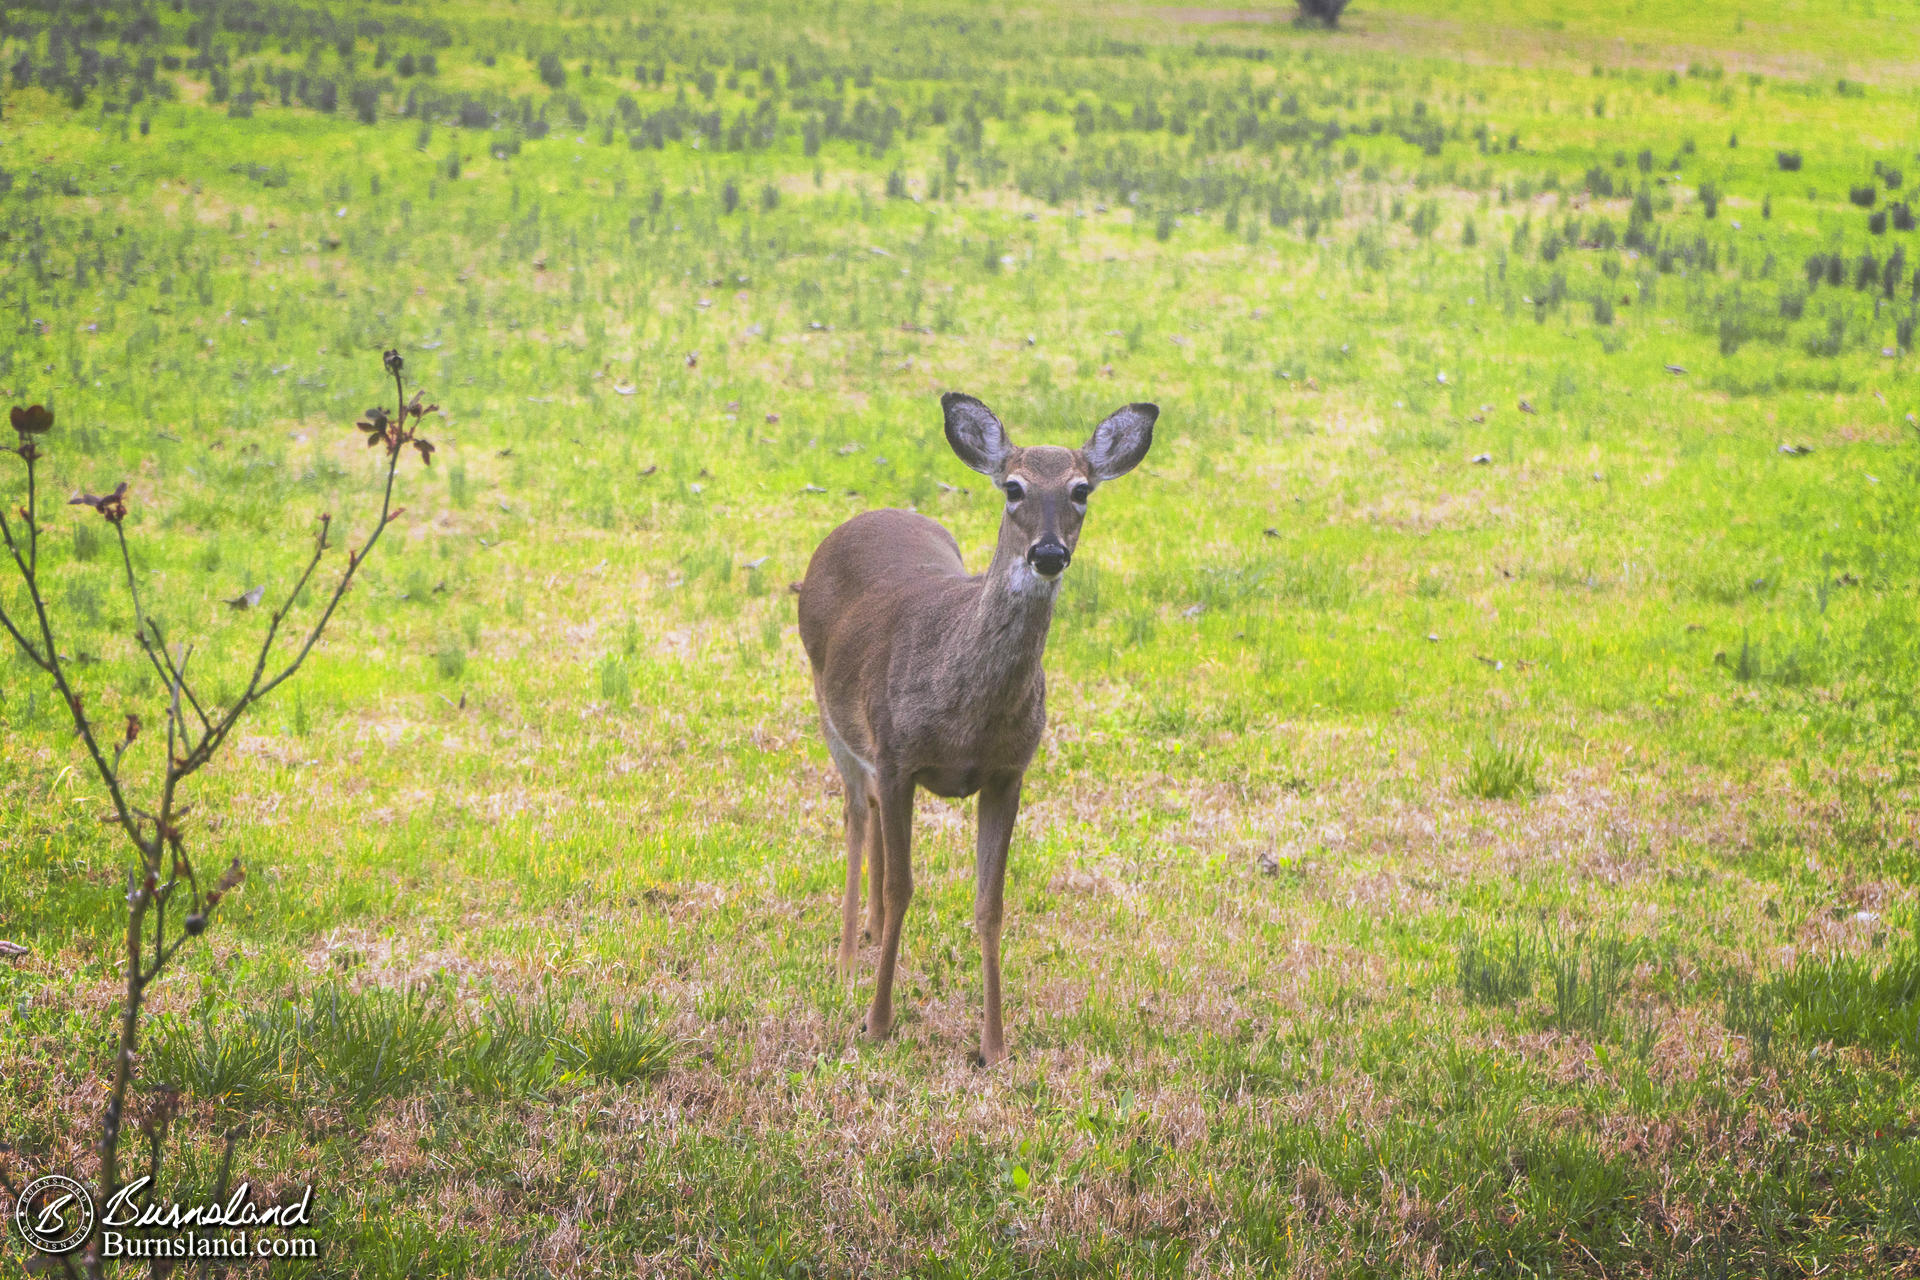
(1026, 581)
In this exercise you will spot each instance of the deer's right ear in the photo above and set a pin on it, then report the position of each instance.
(976, 435)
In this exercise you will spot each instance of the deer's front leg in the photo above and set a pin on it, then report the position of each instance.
(999, 803)
(896, 840)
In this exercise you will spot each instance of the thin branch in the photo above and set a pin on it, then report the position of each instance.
(255, 690)
(280, 614)
(6, 534)
(53, 668)
(212, 735)
(167, 954)
(159, 928)
(148, 893)
(33, 525)
(33, 654)
(354, 561)
(220, 1185)
(142, 625)
(6, 531)
(156, 1135)
(141, 896)
(170, 674)
(176, 727)
(133, 589)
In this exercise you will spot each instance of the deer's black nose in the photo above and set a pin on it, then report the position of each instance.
(1048, 558)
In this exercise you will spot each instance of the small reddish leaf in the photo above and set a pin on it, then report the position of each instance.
(233, 875)
(32, 420)
(111, 505)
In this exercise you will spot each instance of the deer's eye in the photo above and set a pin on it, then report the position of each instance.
(1080, 493)
(1015, 491)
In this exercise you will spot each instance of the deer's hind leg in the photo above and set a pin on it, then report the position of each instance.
(861, 828)
(876, 873)
(863, 835)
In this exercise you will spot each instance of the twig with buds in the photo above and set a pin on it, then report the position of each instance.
(195, 732)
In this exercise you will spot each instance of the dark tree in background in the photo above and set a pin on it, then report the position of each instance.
(1324, 13)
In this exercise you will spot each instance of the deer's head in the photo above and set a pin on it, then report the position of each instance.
(1046, 486)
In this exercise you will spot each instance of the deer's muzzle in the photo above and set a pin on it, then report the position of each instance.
(1048, 558)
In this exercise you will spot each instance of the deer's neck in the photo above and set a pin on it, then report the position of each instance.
(1005, 635)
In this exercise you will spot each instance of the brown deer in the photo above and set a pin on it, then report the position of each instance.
(926, 676)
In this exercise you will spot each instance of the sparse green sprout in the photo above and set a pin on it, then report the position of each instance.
(1497, 969)
(1502, 769)
(1590, 971)
(616, 685)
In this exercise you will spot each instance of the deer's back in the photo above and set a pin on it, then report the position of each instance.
(868, 569)
(877, 611)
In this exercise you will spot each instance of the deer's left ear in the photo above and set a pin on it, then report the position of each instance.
(1118, 444)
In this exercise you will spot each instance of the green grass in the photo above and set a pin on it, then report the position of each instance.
(1472, 835)
(359, 1047)
(1502, 771)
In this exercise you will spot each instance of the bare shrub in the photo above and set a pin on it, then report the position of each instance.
(169, 900)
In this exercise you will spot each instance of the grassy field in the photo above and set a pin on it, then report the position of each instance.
(1475, 833)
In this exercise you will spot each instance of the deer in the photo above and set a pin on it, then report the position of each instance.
(928, 677)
